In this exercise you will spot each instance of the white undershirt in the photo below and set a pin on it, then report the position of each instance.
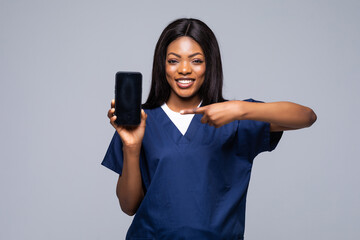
(182, 122)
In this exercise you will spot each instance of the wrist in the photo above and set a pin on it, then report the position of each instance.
(241, 110)
(132, 148)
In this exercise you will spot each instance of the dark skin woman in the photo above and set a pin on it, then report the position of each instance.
(187, 72)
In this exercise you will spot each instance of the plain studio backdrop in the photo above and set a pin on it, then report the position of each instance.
(57, 65)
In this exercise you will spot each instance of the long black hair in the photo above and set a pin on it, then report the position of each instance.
(211, 89)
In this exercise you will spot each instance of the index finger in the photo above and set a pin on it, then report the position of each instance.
(112, 103)
(199, 110)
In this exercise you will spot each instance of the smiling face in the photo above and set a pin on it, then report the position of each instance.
(185, 70)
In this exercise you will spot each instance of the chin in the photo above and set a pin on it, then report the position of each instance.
(186, 96)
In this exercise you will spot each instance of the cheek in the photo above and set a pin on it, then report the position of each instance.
(169, 74)
(170, 70)
(200, 71)
(201, 75)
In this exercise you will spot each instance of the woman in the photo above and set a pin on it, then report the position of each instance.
(185, 169)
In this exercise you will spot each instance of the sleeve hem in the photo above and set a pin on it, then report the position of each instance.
(271, 139)
(111, 167)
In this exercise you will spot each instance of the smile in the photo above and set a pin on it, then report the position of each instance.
(184, 82)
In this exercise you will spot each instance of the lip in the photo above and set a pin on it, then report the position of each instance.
(184, 85)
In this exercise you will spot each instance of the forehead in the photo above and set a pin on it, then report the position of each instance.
(184, 45)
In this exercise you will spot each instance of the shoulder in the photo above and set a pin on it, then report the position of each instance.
(152, 111)
(155, 115)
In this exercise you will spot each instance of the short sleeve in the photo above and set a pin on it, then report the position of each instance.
(269, 139)
(258, 136)
(114, 155)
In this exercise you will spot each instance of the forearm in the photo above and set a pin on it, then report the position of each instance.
(129, 188)
(286, 114)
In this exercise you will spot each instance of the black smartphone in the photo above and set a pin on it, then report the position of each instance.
(128, 89)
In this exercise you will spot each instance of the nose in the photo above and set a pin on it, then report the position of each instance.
(184, 68)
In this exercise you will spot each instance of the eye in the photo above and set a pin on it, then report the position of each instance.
(197, 61)
(172, 61)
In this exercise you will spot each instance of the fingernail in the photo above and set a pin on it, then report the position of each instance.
(182, 111)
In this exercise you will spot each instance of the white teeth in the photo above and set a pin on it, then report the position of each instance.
(184, 81)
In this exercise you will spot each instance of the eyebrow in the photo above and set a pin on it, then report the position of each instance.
(190, 56)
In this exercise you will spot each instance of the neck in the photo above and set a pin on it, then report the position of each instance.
(176, 104)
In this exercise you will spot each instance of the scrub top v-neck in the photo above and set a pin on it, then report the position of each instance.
(174, 133)
(195, 184)
(181, 121)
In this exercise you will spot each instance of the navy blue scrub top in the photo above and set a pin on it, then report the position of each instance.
(195, 184)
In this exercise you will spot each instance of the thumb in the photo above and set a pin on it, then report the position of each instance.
(143, 115)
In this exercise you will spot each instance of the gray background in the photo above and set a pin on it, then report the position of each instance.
(57, 66)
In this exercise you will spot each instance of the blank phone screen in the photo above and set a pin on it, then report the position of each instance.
(128, 89)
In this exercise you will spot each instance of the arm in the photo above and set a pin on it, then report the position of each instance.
(281, 115)
(129, 188)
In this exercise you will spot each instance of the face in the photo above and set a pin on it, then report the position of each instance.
(185, 68)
